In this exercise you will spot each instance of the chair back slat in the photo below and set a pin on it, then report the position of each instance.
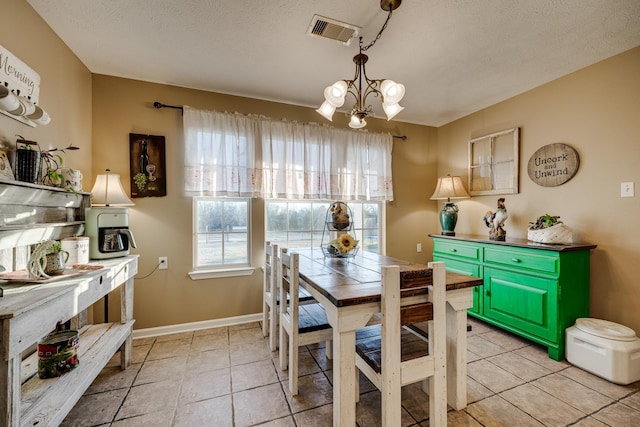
(416, 279)
(416, 313)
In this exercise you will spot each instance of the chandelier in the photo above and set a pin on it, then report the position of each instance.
(361, 86)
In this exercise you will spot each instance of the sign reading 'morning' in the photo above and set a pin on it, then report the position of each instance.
(553, 165)
(18, 76)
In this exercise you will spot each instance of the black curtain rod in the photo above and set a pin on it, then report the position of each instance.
(159, 105)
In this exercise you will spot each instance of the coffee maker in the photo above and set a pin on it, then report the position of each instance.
(108, 231)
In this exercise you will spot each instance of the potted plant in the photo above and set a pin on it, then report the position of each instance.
(549, 229)
(38, 166)
(52, 173)
(27, 163)
(47, 259)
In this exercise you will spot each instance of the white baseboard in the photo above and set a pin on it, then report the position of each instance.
(195, 326)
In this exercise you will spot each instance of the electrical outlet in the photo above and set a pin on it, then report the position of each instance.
(626, 189)
(419, 247)
(163, 262)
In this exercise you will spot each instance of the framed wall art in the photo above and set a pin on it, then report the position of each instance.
(493, 163)
(147, 165)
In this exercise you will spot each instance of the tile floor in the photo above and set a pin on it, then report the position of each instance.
(228, 377)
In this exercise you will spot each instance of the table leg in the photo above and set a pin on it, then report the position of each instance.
(126, 315)
(344, 374)
(456, 357)
(10, 391)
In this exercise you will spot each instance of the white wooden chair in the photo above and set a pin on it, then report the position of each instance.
(397, 356)
(300, 325)
(270, 295)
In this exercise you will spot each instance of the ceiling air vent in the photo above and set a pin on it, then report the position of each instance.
(332, 29)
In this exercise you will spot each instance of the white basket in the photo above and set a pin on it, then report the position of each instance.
(558, 233)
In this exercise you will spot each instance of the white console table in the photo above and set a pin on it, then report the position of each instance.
(28, 312)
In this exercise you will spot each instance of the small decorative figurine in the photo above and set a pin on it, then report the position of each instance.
(495, 221)
(339, 215)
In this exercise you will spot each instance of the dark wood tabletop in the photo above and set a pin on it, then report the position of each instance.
(352, 281)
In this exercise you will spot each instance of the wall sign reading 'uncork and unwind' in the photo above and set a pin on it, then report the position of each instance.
(553, 165)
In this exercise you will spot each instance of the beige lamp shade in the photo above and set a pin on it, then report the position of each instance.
(449, 187)
(108, 191)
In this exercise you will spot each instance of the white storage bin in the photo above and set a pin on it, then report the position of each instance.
(606, 349)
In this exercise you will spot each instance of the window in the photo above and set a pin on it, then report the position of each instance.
(221, 232)
(493, 163)
(296, 224)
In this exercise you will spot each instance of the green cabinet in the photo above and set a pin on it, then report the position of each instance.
(531, 289)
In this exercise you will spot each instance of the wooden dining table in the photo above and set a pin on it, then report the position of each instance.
(349, 290)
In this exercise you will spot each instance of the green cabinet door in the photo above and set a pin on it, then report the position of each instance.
(522, 303)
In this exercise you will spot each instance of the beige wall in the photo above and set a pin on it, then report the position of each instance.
(597, 111)
(65, 86)
(162, 225)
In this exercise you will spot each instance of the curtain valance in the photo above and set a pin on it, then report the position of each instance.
(229, 154)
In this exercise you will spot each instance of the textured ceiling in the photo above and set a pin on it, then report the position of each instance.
(454, 56)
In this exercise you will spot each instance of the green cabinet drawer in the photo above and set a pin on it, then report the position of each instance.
(455, 249)
(460, 267)
(542, 261)
(468, 269)
(521, 301)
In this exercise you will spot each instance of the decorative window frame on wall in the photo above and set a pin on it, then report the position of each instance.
(494, 163)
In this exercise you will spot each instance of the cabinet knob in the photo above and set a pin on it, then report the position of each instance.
(487, 293)
(515, 260)
(454, 250)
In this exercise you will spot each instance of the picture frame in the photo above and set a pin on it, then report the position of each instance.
(147, 165)
(494, 163)
(6, 172)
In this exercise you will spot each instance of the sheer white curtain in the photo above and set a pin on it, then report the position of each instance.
(290, 160)
(220, 155)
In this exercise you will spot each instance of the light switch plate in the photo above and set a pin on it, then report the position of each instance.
(627, 189)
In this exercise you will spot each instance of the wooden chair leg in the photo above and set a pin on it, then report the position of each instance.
(266, 312)
(293, 366)
(392, 407)
(273, 332)
(284, 347)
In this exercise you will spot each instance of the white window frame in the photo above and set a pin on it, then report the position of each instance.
(222, 270)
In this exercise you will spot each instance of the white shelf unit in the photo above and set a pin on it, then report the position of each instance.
(30, 213)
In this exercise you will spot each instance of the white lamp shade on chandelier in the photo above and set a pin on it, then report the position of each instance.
(336, 93)
(391, 110)
(108, 191)
(326, 110)
(392, 92)
(357, 122)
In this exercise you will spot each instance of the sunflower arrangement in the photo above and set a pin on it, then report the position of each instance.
(344, 244)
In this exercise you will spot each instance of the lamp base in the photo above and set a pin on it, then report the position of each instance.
(448, 218)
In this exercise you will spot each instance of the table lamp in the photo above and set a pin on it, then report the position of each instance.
(449, 187)
(108, 191)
